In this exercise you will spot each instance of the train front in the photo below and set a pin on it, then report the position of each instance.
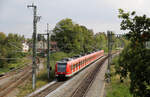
(60, 69)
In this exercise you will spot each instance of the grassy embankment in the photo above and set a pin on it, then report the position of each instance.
(116, 88)
(42, 75)
(19, 64)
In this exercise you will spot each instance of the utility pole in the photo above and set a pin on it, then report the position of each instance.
(48, 51)
(109, 35)
(35, 20)
(43, 45)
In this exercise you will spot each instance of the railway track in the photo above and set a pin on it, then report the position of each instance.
(48, 90)
(9, 86)
(84, 86)
(13, 72)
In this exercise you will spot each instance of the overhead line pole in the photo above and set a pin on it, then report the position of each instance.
(109, 35)
(35, 19)
(48, 51)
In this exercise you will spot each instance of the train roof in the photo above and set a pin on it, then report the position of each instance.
(77, 57)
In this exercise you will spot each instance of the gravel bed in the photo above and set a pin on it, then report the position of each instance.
(97, 87)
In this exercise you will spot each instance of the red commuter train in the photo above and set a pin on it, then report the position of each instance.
(70, 66)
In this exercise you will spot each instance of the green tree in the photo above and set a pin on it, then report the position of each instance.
(134, 59)
(88, 39)
(100, 41)
(72, 37)
(64, 35)
(3, 52)
(10, 47)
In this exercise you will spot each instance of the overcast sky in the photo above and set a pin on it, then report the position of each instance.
(99, 15)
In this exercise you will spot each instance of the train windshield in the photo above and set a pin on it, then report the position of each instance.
(61, 67)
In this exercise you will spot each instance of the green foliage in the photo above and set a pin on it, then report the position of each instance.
(115, 60)
(100, 41)
(116, 88)
(138, 26)
(134, 59)
(58, 56)
(3, 70)
(25, 89)
(72, 37)
(10, 47)
(76, 38)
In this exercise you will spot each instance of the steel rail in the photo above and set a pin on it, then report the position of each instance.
(87, 82)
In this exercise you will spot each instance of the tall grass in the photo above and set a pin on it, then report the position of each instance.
(116, 88)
